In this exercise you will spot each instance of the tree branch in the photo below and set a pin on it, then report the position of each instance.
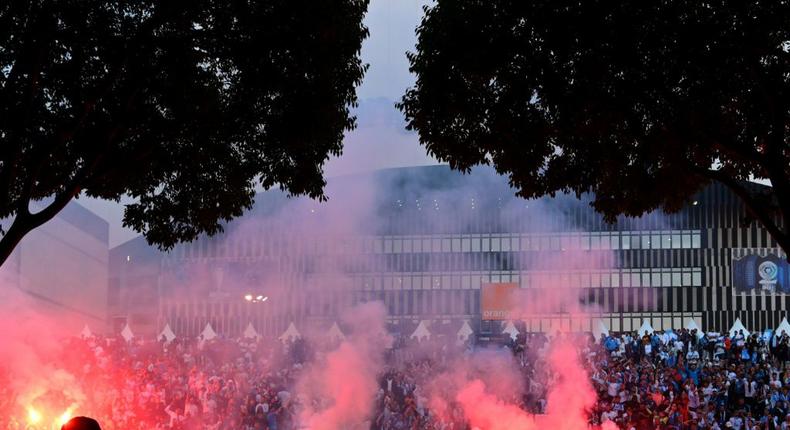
(755, 208)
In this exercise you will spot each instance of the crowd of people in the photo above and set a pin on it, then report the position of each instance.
(660, 380)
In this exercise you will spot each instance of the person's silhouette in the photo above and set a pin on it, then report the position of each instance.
(81, 423)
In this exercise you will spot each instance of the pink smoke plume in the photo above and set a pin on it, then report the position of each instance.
(341, 391)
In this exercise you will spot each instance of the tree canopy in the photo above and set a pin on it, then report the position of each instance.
(641, 103)
(185, 106)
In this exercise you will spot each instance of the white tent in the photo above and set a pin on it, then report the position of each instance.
(167, 333)
(692, 325)
(335, 333)
(250, 332)
(127, 334)
(421, 332)
(464, 332)
(86, 332)
(738, 326)
(290, 333)
(208, 333)
(599, 328)
(511, 330)
(783, 326)
(646, 328)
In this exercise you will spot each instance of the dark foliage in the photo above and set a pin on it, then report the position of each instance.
(642, 103)
(185, 106)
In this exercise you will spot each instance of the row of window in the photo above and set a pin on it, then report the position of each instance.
(275, 245)
(671, 239)
(612, 322)
(664, 277)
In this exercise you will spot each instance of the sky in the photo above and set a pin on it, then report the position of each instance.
(380, 141)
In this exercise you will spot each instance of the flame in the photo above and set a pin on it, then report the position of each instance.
(65, 417)
(33, 415)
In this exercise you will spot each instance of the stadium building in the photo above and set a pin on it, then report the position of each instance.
(428, 242)
(74, 248)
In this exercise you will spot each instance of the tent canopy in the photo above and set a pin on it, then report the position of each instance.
(335, 333)
(465, 331)
(738, 326)
(208, 332)
(87, 333)
(511, 330)
(290, 333)
(250, 332)
(646, 328)
(599, 328)
(421, 332)
(783, 326)
(167, 333)
(126, 333)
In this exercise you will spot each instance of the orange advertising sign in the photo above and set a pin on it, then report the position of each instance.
(496, 300)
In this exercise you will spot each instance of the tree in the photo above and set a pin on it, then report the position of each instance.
(184, 106)
(641, 103)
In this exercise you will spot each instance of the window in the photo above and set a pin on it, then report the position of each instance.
(397, 246)
(496, 244)
(466, 244)
(456, 244)
(686, 240)
(655, 241)
(475, 244)
(645, 241)
(695, 240)
(676, 281)
(696, 278)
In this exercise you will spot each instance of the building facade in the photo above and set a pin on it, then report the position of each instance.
(73, 247)
(425, 240)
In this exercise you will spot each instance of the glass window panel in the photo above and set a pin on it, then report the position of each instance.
(555, 243)
(595, 280)
(496, 244)
(514, 243)
(645, 280)
(397, 245)
(466, 244)
(545, 243)
(378, 246)
(456, 244)
(686, 279)
(426, 244)
(645, 241)
(626, 241)
(486, 246)
(595, 242)
(695, 240)
(696, 278)
(446, 245)
(615, 279)
(636, 242)
(436, 245)
(388, 246)
(608, 242)
(655, 280)
(446, 283)
(666, 241)
(655, 241)
(676, 240)
(686, 240)
(475, 244)
(505, 245)
(584, 241)
(666, 279)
